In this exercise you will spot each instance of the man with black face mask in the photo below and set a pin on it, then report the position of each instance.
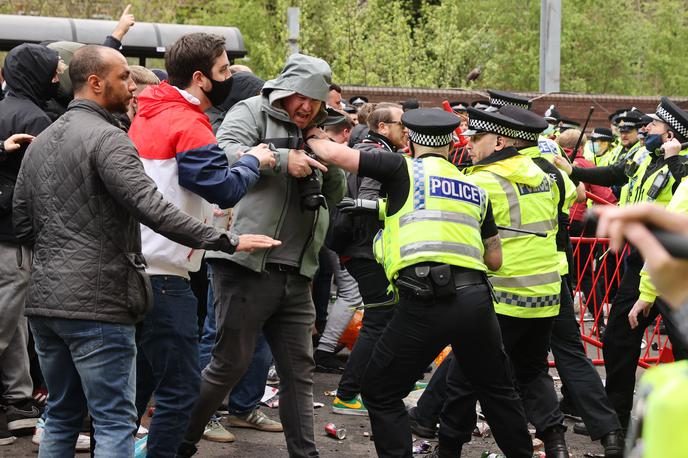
(31, 75)
(180, 152)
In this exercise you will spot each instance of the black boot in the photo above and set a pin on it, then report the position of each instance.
(613, 443)
(555, 442)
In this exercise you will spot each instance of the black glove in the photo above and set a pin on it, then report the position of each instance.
(358, 206)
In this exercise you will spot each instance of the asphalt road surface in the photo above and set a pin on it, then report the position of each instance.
(255, 444)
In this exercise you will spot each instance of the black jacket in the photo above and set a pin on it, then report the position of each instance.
(366, 226)
(28, 71)
(80, 196)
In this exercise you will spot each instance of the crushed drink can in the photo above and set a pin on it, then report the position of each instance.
(422, 448)
(337, 433)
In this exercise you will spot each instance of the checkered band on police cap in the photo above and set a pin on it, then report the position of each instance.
(528, 136)
(481, 125)
(430, 140)
(673, 122)
(496, 101)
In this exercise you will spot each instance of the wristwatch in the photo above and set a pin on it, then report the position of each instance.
(3, 153)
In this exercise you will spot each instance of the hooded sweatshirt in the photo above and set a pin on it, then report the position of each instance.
(266, 207)
(180, 153)
(28, 72)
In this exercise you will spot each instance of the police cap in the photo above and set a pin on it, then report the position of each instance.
(677, 119)
(358, 100)
(567, 123)
(552, 115)
(530, 125)
(614, 117)
(480, 104)
(430, 127)
(602, 134)
(482, 121)
(410, 105)
(628, 120)
(503, 98)
(459, 106)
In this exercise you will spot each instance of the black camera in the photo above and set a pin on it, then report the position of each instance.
(310, 191)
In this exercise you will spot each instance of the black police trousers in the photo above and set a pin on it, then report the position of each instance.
(526, 341)
(372, 284)
(583, 384)
(622, 344)
(418, 331)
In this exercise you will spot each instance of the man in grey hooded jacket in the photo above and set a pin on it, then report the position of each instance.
(269, 291)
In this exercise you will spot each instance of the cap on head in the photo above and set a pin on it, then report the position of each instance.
(677, 119)
(552, 115)
(358, 100)
(567, 123)
(334, 117)
(530, 125)
(503, 98)
(482, 121)
(602, 134)
(430, 127)
(410, 105)
(480, 104)
(459, 106)
(628, 120)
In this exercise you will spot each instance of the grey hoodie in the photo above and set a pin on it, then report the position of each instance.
(260, 119)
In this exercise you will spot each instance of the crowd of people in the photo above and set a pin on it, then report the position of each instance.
(168, 236)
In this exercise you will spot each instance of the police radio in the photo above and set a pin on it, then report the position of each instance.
(658, 184)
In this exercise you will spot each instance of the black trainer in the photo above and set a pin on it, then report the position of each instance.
(580, 428)
(327, 362)
(23, 415)
(419, 429)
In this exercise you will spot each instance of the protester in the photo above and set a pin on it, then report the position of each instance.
(180, 153)
(274, 286)
(31, 73)
(87, 285)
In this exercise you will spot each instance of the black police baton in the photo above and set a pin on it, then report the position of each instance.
(675, 244)
(523, 231)
(585, 126)
(683, 146)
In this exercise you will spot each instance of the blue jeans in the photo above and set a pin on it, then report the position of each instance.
(167, 363)
(87, 363)
(246, 395)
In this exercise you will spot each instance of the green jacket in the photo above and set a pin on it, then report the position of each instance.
(262, 118)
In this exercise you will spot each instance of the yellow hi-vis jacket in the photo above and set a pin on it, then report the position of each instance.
(528, 283)
(439, 222)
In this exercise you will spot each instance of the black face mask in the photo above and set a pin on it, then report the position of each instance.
(653, 142)
(219, 91)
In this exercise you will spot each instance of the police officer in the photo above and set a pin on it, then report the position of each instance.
(601, 141)
(439, 239)
(628, 123)
(647, 177)
(583, 387)
(527, 286)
